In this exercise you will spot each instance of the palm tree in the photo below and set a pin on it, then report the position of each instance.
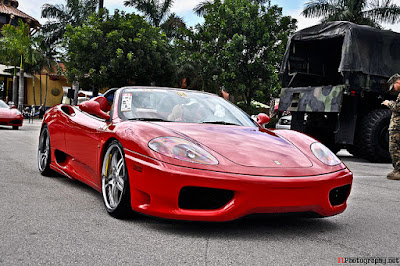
(172, 26)
(201, 8)
(74, 13)
(362, 12)
(37, 69)
(49, 56)
(20, 44)
(155, 11)
(157, 14)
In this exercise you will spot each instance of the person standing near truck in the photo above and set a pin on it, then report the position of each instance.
(394, 127)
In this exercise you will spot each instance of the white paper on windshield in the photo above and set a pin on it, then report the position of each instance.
(126, 103)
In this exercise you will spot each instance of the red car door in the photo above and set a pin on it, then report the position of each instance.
(83, 141)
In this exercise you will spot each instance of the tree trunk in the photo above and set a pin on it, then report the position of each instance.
(45, 93)
(75, 87)
(101, 4)
(21, 91)
(40, 88)
(33, 90)
(15, 90)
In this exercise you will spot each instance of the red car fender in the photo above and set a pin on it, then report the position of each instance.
(303, 142)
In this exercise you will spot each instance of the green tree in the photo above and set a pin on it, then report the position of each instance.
(240, 46)
(155, 11)
(158, 14)
(174, 26)
(357, 11)
(118, 50)
(10, 57)
(74, 13)
(19, 44)
(202, 7)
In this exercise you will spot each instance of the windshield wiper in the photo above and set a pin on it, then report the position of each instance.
(152, 119)
(219, 123)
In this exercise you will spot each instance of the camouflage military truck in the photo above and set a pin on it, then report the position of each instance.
(334, 78)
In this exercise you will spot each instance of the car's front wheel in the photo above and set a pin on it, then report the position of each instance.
(115, 182)
(44, 155)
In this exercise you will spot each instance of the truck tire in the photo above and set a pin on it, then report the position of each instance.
(373, 136)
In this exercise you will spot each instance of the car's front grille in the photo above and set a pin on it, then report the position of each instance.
(16, 121)
(203, 198)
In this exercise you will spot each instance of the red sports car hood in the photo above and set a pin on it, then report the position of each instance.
(244, 146)
(5, 112)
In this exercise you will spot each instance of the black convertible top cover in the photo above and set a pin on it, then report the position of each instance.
(365, 49)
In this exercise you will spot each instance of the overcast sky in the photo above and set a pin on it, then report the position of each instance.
(183, 8)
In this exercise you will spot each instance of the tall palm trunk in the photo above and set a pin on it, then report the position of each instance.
(15, 87)
(40, 87)
(33, 90)
(21, 90)
(45, 94)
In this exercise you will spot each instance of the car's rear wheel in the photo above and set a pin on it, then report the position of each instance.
(44, 154)
(115, 182)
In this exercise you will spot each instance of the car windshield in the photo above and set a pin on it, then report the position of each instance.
(179, 106)
(3, 104)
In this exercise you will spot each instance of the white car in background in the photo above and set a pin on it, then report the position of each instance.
(83, 96)
(284, 122)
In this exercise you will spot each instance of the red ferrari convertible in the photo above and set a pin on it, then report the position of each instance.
(10, 116)
(189, 155)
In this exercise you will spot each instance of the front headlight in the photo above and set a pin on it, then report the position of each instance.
(181, 149)
(324, 154)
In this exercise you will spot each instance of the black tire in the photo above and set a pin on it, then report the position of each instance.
(44, 152)
(15, 127)
(115, 182)
(373, 136)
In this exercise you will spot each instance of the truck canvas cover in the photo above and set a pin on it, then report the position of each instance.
(365, 49)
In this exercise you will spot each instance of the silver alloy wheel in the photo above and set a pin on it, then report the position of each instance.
(113, 177)
(44, 150)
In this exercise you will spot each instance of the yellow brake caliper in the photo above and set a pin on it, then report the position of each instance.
(108, 163)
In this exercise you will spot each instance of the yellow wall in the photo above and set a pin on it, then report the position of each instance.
(51, 84)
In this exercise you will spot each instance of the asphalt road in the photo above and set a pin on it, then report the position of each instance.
(58, 221)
